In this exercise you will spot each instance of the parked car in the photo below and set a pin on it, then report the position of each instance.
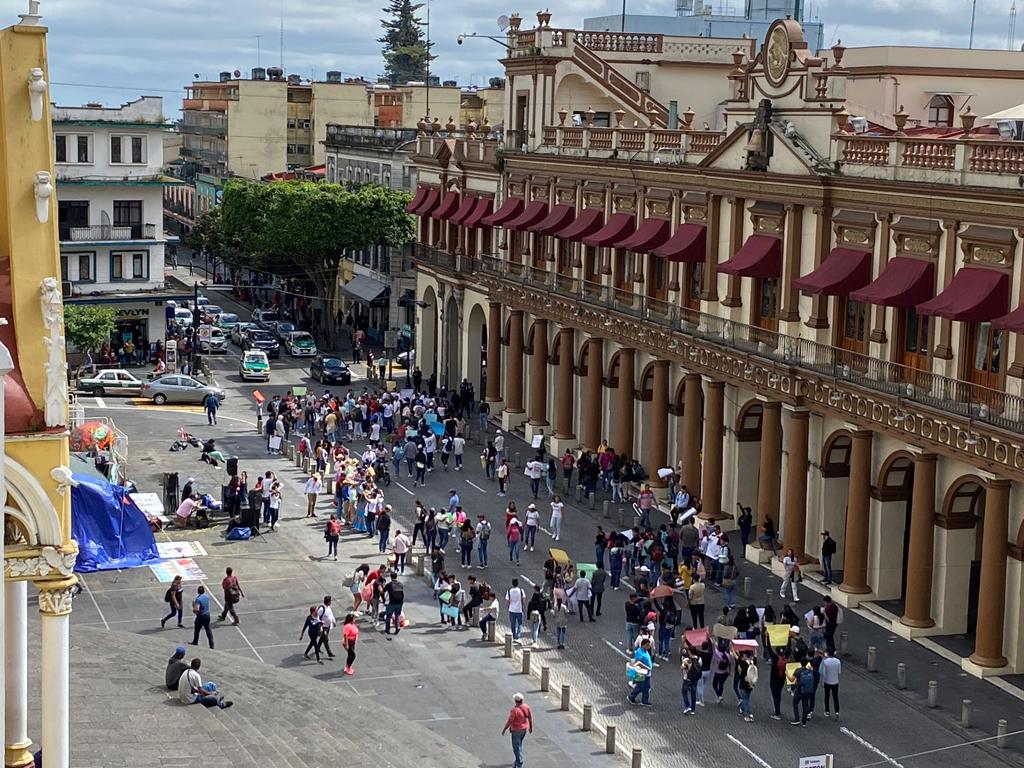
(254, 366)
(202, 301)
(226, 321)
(300, 344)
(263, 341)
(174, 388)
(211, 312)
(406, 359)
(238, 333)
(109, 382)
(283, 328)
(211, 339)
(259, 315)
(330, 370)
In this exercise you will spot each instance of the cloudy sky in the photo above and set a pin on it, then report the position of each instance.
(114, 50)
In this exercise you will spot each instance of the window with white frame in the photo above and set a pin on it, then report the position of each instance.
(73, 148)
(129, 265)
(78, 266)
(127, 150)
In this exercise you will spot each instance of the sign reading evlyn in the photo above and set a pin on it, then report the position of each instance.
(139, 312)
(818, 761)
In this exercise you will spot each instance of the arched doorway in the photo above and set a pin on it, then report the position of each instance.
(963, 512)
(476, 349)
(453, 344)
(748, 454)
(835, 485)
(889, 542)
(426, 342)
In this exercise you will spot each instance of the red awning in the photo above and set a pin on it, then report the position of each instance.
(974, 295)
(905, 282)
(649, 235)
(759, 256)
(687, 244)
(484, 208)
(448, 207)
(511, 208)
(429, 203)
(1014, 321)
(587, 223)
(619, 227)
(534, 213)
(558, 218)
(417, 201)
(842, 271)
(468, 204)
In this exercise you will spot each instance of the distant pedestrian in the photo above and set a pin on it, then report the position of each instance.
(502, 473)
(583, 595)
(201, 610)
(483, 535)
(828, 550)
(327, 621)
(695, 594)
(792, 566)
(311, 628)
(516, 599)
(830, 670)
(312, 490)
(642, 660)
(332, 532)
(349, 636)
(557, 506)
(597, 580)
(401, 546)
(395, 594)
(561, 621)
(210, 404)
(173, 598)
(232, 594)
(519, 723)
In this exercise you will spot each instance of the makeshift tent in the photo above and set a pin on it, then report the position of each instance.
(111, 531)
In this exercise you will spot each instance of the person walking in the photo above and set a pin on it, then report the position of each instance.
(803, 694)
(691, 676)
(830, 670)
(384, 529)
(515, 533)
(201, 610)
(173, 598)
(746, 679)
(401, 546)
(695, 596)
(311, 627)
(232, 594)
(466, 535)
(634, 615)
(349, 636)
(584, 595)
(642, 658)
(730, 573)
(833, 618)
(561, 622)
(532, 523)
(828, 550)
(533, 470)
(516, 600)
(332, 532)
(597, 582)
(312, 490)
(210, 405)
(518, 724)
(502, 473)
(792, 567)
(483, 535)
(394, 592)
(557, 506)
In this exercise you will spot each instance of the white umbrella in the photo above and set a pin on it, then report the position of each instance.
(1013, 113)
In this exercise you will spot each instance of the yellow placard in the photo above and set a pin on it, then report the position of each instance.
(778, 635)
(790, 669)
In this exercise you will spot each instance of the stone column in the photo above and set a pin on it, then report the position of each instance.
(627, 389)
(16, 740)
(918, 607)
(539, 375)
(855, 557)
(691, 431)
(657, 444)
(714, 425)
(795, 515)
(595, 392)
(988, 638)
(515, 362)
(770, 470)
(55, 607)
(494, 353)
(566, 381)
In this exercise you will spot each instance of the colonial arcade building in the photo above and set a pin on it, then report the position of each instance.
(814, 314)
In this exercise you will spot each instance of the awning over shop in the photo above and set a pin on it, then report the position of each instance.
(619, 227)
(587, 223)
(759, 256)
(649, 235)
(468, 204)
(558, 218)
(417, 201)
(974, 295)
(448, 207)
(1014, 321)
(905, 282)
(534, 213)
(842, 271)
(484, 208)
(511, 208)
(429, 203)
(687, 244)
(364, 288)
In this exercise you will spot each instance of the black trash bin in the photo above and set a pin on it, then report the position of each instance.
(170, 491)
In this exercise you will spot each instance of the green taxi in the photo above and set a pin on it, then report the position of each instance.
(254, 366)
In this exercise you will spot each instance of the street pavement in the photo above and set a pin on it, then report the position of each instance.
(464, 697)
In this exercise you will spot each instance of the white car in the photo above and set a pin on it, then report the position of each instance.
(183, 317)
(211, 339)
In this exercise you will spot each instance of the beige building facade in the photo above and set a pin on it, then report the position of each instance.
(772, 290)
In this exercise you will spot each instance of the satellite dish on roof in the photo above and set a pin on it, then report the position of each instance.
(503, 22)
(238, 73)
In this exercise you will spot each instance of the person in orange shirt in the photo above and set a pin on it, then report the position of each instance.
(519, 723)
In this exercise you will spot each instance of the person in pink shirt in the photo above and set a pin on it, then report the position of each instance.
(519, 723)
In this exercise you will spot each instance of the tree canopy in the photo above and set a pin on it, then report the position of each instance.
(406, 52)
(88, 326)
(207, 234)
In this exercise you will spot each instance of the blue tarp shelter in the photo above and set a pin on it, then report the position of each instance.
(111, 531)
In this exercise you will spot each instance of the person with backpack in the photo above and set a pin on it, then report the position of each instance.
(483, 535)
(173, 597)
(232, 595)
(691, 668)
(311, 628)
(777, 678)
(746, 676)
(332, 532)
(515, 535)
(833, 618)
(720, 665)
(803, 694)
(516, 599)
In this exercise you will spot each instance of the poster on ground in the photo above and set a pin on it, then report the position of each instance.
(186, 567)
(175, 550)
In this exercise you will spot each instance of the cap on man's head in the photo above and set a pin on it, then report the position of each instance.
(518, 698)
(795, 628)
(179, 651)
(824, 533)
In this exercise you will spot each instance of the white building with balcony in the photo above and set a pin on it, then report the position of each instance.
(110, 187)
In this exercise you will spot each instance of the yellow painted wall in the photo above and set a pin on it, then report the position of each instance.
(257, 128)
(341, 103)
(39, 456)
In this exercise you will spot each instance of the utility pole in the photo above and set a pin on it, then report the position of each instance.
(281, 39)
(428, 61)
(259, 39)
(623, 24)
(974, 8)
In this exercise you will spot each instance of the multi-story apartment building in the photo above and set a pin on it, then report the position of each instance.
(814, 314)
(110, 190)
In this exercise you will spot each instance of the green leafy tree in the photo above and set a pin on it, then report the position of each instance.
(406, 51)
(207, 234)
(88, 326)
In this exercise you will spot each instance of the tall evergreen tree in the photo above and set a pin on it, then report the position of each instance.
(406, 52)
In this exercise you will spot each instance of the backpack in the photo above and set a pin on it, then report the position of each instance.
(805, 681)
(514, 534)
(751, 676)
(167, 594)
(485, 531)
(693, 672)
(780, 666)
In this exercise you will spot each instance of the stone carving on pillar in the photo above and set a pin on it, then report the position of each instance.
(62, 476)
(55, 597)
(50, 562)
(56, 365)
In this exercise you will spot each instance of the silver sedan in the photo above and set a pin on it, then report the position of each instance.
(174, 388)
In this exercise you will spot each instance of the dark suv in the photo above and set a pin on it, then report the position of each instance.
(330, 370)
(263, 341)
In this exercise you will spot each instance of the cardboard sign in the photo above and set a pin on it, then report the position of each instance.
(537, 441)
(791, 667)
(695, 637)
(299, 391)
(258, 396)
(724, 631)
(778, 635)
(740, 645)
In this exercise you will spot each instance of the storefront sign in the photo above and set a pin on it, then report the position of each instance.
(128, 313)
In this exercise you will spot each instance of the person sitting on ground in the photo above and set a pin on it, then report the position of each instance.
(176, 667)
(192, 691)
(183, 514)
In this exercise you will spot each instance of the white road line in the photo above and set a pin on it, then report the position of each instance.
(251, 646)
(94, 603)
(617, 649)
(100, 402)
(870, 747)
(476, 486)
(404, 488)
(761, 762)
(386, 677)
(527, 579)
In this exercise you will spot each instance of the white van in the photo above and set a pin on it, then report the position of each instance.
(211, 339)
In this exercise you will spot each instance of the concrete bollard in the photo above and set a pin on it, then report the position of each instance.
(329, 485)
(901, 676)
(490, 632)
(606, 509)
(844, 642)
(565, 698)
(298, 459)
(746, 587)
(638, 757)
(545, 678)
(419, 565)
(519, 460)
(622, 518)
(305, 463)
(609, 740)
(966, 708)
(592, 501)
(289, 451)
(526, 661)
(768, 595)
(872, 658)
(578, 495)
(1001, 734)
(508, 645)
(933, 693)
(588, 717)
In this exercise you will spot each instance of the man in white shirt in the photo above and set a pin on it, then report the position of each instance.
(430, 448)
(401, 546)
(582, 593)
(458, 448)
(516, 599)
(191, 690)
(499, 447)
(327, 622)
(830, 670)
(534, 470)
